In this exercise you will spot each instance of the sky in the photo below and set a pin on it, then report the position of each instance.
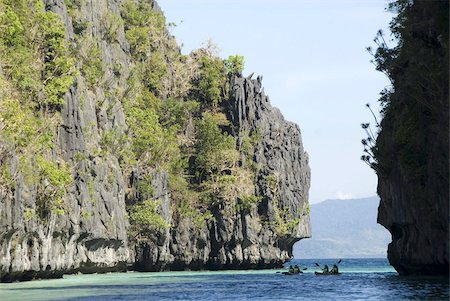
(316, 70)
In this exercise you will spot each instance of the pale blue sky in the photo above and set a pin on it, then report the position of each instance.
(312, 56)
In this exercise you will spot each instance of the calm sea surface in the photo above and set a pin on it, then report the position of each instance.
(362, 279)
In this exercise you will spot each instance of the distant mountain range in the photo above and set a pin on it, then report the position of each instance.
(345, 229)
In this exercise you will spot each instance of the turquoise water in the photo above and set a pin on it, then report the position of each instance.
(362, 279)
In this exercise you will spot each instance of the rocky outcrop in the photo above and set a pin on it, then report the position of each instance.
(412, 147)
(91, 235)
(279, 152)
(246, 239)
(91, 232)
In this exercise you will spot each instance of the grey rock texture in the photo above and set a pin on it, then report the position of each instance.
(418, 221)
(279, 153)
(413, 145)
(93, 233)
(417, 217)
(247, 239)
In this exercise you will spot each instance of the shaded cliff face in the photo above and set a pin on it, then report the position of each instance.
(73, 215)
(412, 147)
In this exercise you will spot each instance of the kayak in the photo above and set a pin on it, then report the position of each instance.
(326, 274)
(290, 274)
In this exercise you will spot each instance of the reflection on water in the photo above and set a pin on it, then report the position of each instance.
(362, 279)
(427, 288)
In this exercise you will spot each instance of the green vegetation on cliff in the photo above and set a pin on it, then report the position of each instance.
(34, 52)
(173, 106)
(411, 153)
(176, 123)
(415, 107)
(36, 71)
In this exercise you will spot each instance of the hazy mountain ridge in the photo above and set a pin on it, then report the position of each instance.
(344, 229)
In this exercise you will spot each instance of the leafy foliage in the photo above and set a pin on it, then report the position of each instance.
(35, 55)
(140, 13)
(235, 64)
(218, 172)
(112, 24)
(152, 144)
(369, 143)
(154, 72)
(144, 27)
(38, 70)
(91, 55)
(284, 222)
(146, 214)
(57, 176)
(215, 150)
(139, 39)
(247, 202)
(165, 95)
(212, 78)
(57, 75)
(52, 180)
(17, 48)
(21, 128)
(417, 103)
(176, 113)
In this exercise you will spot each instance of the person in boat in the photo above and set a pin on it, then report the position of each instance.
(334, 269)
(325, 269)
(297, 269)
(291, 270)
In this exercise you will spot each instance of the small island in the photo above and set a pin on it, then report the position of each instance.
(118, 152)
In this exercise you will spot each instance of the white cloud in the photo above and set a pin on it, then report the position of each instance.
(344, 195)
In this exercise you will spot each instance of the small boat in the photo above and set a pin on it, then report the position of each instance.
(291, 274)
(326, 274)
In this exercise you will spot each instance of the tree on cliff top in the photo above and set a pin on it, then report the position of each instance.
(235, 64)
(416, 106)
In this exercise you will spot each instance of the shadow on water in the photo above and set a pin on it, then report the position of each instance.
(428, 287)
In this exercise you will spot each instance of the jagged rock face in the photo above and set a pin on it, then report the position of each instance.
(412, 147)
(279, 152)
(416, 216)
(246, 239)
(92, 235)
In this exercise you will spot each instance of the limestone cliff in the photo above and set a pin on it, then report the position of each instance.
(412, 147)
(251, 238)
(100, 198)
